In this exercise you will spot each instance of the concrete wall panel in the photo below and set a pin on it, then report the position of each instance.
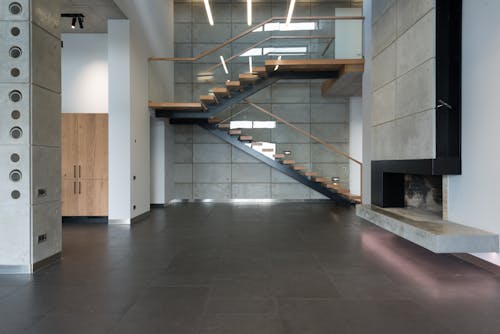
(46, 222)
(212, 173)
(417, 45)
(251, 190)
(212, 191)
(46, 174)
(46, 119)
(46, 55)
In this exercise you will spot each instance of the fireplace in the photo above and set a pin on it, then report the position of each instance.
(414, 184)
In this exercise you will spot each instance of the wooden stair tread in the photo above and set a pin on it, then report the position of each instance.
(321, 179)
(299, 65)
(178, 106)
(279, 156)
(256, 144)
(288, 162)
(233, 84)
(311, 174)
(268, 150)
(299, 168)
(248, 77)
(209, 99)
(224, 126)
(246, 138)
(220, 91)
(235, 132)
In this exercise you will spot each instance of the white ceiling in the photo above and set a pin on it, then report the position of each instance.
(97, 13)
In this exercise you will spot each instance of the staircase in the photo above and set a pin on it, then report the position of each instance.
(220, 98)
(282, 163)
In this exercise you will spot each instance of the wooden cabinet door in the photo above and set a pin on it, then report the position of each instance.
(69, 146)
(93, 197)
(93, 146)
(69, 198)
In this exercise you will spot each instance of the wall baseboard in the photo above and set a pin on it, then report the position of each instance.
(475, 261)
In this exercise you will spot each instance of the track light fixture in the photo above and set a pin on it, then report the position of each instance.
(75, 17)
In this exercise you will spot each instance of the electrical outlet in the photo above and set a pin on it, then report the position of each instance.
(42, 238)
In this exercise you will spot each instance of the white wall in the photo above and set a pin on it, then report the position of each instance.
(119, 121)
(473, 197)
(355, 142)
(367, 102)
(84, 65)
(157, 162)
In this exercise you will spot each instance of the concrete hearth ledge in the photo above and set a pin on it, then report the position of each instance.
(438, 236)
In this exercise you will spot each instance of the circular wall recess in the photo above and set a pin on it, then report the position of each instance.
(16, 132)
(15, 194)
(15, 175)
(15, 8)
(15, 72)
(15, 31)
(15, 52)
(15, 96)
(14, 157)
(15, 114)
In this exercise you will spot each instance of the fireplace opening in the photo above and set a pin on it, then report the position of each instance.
(424, 192)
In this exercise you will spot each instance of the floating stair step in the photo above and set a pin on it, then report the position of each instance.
(248, 77)
(268, 150)
(333, 186)
(311, 174)
(299, 168)
(354, 198)
(321, 179)
(235, 132)
(344, 191)
(213, 120)
(178, 106)
(221, 92)
(255, 143)
(288, 162)
(233, 84)
(246, 138)
(260, 71)
(224, 126)
(279, 156)
(209, 99)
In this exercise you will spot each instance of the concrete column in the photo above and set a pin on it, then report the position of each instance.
(30, 134)
(355, 142)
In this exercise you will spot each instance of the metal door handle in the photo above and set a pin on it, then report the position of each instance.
(79, 187)
(74, 171)
(79, 171)
(74, 187)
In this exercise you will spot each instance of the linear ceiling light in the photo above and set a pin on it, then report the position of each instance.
(224, 64)
(249, 12)
(209, 12)
(73, 23)
(290, 12)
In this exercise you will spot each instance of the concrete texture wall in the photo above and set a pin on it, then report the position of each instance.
(473, 196)
(206, 167)
(30, 85)
(403, 79)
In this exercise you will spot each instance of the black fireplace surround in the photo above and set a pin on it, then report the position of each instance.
(388, 176)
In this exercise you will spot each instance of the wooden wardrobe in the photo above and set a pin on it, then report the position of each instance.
(84, 165)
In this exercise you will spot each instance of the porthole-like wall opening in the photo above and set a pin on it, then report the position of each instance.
(15, 8)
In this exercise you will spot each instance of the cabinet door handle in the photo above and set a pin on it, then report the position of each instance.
(74, 171)
(74, 187)
(79, 187)
(79, 171)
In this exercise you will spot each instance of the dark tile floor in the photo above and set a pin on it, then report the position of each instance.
(302, 268)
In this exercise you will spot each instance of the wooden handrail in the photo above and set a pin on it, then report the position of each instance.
(230, 59)
(250, 30)
(305, 133)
